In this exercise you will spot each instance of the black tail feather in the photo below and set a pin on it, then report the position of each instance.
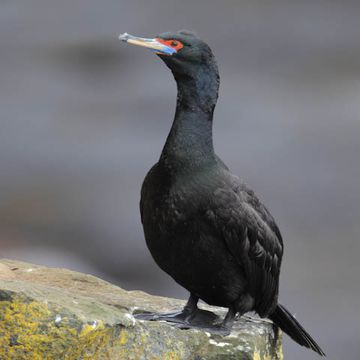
(287, 323)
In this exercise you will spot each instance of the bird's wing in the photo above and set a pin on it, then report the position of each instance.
(251, 240)
(249, 197)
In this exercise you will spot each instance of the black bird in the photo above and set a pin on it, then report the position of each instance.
(203, 226)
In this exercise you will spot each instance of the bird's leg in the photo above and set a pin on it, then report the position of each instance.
(224, 328)
(176, 317)
(228, 321)
(191, 306)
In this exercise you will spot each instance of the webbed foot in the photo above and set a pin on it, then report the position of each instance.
(182, 317)
(175, 317)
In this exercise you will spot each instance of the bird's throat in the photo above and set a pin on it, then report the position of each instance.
(189, 144)
(198, 89)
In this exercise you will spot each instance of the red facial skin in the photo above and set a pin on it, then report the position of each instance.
(175, 44)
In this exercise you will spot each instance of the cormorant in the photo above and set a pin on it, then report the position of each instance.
(202, 225)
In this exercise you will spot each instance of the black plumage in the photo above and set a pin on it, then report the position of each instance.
(202, 224)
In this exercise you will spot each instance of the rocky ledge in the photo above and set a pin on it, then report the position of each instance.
(50, 313)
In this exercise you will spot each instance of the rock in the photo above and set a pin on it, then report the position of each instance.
(49, 313)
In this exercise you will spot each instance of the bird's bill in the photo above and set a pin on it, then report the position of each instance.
(153, 44)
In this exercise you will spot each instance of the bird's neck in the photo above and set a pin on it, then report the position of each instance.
(198, 91)
(189, 144)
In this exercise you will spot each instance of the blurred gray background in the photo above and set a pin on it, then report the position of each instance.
(83, 117)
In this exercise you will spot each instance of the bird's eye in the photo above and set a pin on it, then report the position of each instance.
(175, 44)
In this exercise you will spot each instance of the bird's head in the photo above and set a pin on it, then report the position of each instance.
(183, 52)
(192, 64)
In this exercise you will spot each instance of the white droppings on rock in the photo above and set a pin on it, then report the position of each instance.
(94, 324)
(233, 335)
(207, 334)
(57, 319)
(220, 344)
(29, 270)
(131, 318)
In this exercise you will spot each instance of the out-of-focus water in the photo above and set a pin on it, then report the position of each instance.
(83, 117)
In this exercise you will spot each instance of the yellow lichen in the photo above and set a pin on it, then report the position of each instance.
(88, 328)
(28, 331)
(24, 330)
(256, 355)
(123, 338)
(172, 355)
(92, 343)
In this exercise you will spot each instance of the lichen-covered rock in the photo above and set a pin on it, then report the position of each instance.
(55, 314)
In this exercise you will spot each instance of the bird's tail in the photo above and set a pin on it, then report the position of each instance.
(287, 323)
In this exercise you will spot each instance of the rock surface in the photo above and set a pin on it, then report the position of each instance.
(50, 313)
